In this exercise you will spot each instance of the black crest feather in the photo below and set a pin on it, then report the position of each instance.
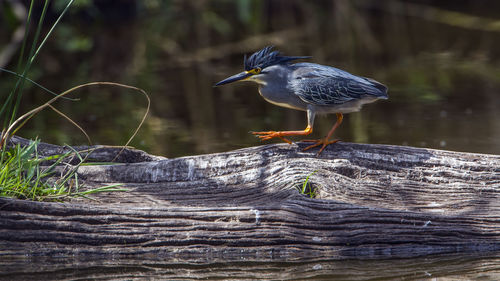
(267, 57)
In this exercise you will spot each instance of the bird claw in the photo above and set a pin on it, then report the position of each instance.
(324, 142)
(270, 135)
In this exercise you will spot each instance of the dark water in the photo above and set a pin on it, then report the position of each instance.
(441, 62)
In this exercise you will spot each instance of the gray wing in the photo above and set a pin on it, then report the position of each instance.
(324, 85)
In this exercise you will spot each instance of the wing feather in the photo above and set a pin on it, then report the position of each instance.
(324, 85)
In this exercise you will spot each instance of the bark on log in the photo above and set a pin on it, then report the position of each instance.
(372, 201)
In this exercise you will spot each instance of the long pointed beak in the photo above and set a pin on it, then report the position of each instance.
(234, 78)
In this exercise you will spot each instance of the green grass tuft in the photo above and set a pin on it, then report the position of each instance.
(23, 176)
(23, 173)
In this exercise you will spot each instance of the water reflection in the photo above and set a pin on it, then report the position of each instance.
(451, 267)
(442, 70)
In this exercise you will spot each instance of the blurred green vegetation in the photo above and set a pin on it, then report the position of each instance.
(440, 60)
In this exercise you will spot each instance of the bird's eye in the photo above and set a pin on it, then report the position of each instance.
(256, 70)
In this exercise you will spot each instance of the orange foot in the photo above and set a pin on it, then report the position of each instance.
(270, 135)
(324, 142)
(282, 134)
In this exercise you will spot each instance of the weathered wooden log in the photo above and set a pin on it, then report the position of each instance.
(372, 201)
(80, 267)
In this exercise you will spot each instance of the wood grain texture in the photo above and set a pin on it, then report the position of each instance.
(448, 267)
(373, 201)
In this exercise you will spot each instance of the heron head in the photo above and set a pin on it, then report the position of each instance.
(256, 64)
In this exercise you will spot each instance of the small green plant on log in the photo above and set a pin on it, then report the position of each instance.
(308, 188)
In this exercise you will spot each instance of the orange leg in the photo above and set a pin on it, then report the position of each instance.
(325, 141)
(282, 134)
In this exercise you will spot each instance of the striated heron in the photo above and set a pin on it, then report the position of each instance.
(310, 87)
